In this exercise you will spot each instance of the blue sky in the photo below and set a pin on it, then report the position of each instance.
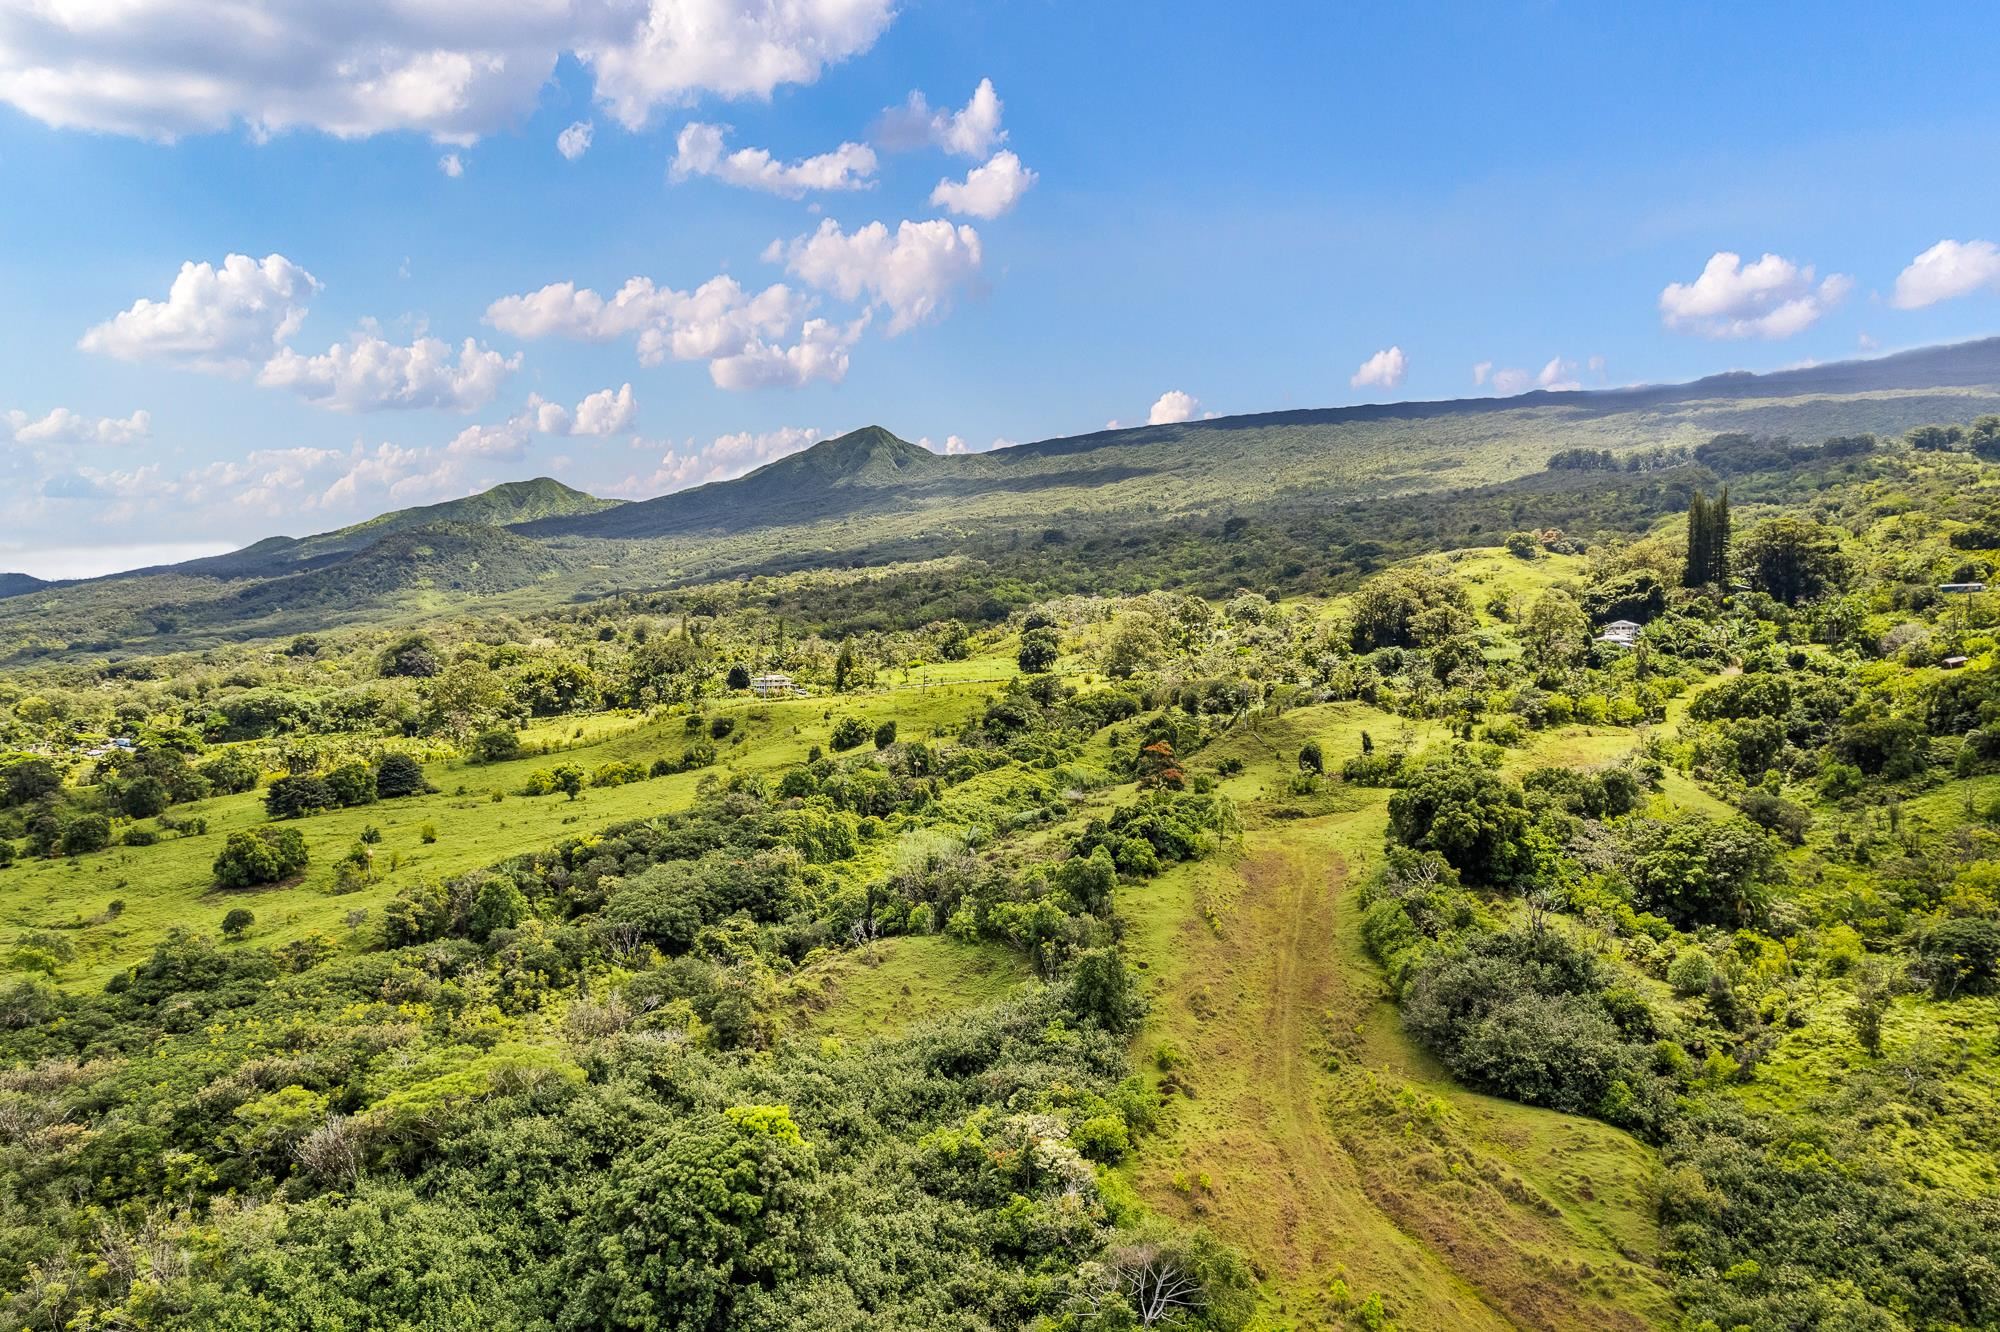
(1157, 211)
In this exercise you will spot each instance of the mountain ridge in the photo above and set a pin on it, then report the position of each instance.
(867, 460)
(20, 584)
(868, 496)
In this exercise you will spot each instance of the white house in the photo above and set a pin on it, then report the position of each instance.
(773, 685)
(1620, 633)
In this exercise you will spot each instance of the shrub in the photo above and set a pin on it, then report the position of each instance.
(848, 733)
(238, 922)
(1039, 650)
(885, 734)
(1521, 1014)
(1311, 758)
(305, 953)
(229, 774)
(1778, 815)
(1695, 870)
(1372, 770)
(262, 855)
(1102, 1138)
(496, 744)
(143, 798)
(352, 784)
(85, 833)
(721, 727)
(398, 775)
(1959, 956)
(296, 797)
(1468, 814)
(1691, 971)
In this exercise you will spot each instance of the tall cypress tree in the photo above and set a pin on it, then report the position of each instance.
(1708, 541)
(1700, 522)
(1718, 540)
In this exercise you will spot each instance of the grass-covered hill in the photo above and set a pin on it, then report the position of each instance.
(505, 505)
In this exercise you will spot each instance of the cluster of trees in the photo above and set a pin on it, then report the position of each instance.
(260, 856)
(635, 1172)
(1708, 542)
(392, 776)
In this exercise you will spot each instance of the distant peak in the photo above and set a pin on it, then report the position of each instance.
(866, 438)
(535, 486)
(868, 452)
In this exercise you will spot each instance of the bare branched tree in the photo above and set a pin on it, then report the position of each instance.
(1155, 1280)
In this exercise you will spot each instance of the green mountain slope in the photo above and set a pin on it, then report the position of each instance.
(1329, 455)
(16, 584)
(502, 506)
(852, 475)
(457, 558)
(869, 498)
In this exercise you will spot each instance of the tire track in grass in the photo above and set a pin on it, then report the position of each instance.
(1251, 1153)
(1310, 1168)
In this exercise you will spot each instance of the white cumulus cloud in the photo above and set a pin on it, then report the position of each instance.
(915, 273)
(734, 48)
(986, 191)
(740, 334)
(574, 142)
(63, 426)
(973, 131)
(1385, 369)
(605, 412)
(223, 319)
(160, 69)
(1173, 407)
(367, 373)
(452, 165)
(702, 150)
(1771, 297)
(1947, 270)
(1558, 375)
(821, 352)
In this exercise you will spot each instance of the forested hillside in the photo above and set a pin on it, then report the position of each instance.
(1568, 902)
